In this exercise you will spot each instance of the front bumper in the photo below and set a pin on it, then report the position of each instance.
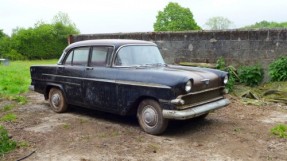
(195, 111)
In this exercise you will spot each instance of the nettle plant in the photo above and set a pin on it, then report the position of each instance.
(251, 75)
(278, 69)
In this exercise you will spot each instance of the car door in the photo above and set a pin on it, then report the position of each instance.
(100, 87)
(72, 73)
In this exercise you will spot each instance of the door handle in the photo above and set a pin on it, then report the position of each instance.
(89, 68)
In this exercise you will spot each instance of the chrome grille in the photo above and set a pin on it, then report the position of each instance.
(198, 98)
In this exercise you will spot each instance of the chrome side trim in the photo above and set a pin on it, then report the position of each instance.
(142, 84)
(194, 112)
(132, 83)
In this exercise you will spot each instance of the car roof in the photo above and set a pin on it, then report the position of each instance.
(108, 42)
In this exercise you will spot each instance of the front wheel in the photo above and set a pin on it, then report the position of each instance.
(150, 117)
(57, 100)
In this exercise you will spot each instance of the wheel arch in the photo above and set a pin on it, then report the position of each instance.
(53, 85)
(135, 105)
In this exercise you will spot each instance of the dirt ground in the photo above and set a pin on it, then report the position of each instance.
(237, 132)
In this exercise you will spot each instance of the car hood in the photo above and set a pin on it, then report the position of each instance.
(170, 75)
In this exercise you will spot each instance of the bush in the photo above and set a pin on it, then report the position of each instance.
(251, 75)
(14, 55)
(278, 69)
(6, 144)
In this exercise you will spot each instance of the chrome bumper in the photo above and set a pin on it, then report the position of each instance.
(195, 111)
(31, 88)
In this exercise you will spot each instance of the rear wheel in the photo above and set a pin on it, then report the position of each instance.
(150, 117)
(57, 100)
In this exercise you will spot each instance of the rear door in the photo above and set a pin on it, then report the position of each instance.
(72, 72)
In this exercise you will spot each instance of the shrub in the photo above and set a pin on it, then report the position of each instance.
(6, 144)
(278, 69)
(251, 75)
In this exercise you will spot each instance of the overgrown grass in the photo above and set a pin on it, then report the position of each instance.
(6, 144)
(9, 117)
(15, 78)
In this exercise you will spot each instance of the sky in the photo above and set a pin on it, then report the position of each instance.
(113, 16)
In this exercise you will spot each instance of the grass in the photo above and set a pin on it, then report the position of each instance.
(7, 108)
(6, 144)
(9, 117)
(15, 78)
(280, 130)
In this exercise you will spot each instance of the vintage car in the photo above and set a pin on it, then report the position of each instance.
(129, 77)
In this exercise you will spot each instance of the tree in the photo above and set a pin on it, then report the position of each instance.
(218, 23)
(266, 24)
(43, 41)
(175, 18)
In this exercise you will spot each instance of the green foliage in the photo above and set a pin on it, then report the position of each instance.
(43, 41)
(14, 55)
(6, 144)
(266, 24)
(278, 69)
(175, 18)
(280, 130)
(9, 117)
(218, 23)
(251, 75)
(220, 64)
(15, 78)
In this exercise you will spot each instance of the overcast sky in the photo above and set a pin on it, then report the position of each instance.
(110, 16)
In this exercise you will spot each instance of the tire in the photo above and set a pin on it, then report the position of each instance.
(150, 117)
(57, 100)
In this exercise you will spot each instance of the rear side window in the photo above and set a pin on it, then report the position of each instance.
(100, 55)
(78, 57)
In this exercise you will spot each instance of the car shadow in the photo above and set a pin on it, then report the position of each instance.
(175, 127)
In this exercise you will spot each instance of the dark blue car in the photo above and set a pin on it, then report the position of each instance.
(129, 77)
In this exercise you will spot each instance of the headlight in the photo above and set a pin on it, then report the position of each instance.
(188, 86)
(225, 79)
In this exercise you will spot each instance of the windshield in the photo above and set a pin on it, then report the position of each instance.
(138, 56)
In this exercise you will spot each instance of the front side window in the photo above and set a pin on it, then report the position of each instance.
(78, 57)
(138, 55)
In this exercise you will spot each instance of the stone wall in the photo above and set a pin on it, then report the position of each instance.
(238, 47)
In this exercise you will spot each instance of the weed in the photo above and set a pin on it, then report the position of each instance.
(66, 126)
(7, 108)
(20, 99)
(280, 130)
(278, 69)
(6, 144)
(251, 75)
(9, 117)
(23, 144)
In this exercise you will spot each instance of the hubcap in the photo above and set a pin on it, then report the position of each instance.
(150, 116)
(56, 99)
